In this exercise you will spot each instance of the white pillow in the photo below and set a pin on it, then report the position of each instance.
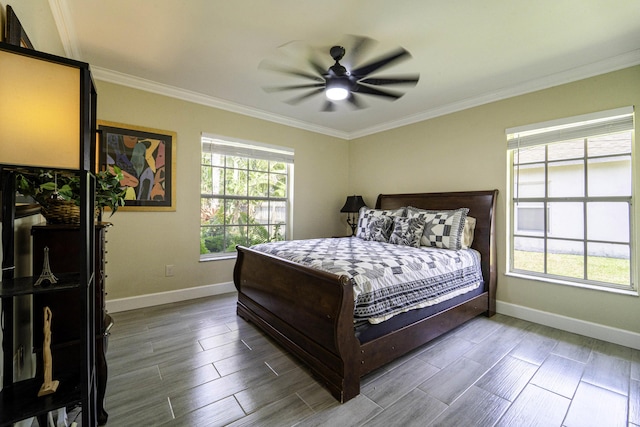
(468, 232)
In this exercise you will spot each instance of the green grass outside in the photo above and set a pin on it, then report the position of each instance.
(609, 270)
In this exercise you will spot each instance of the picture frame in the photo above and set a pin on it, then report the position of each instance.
(147, 158)
(15, 34)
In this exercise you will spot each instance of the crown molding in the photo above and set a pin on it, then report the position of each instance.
(601, 67)
(608, 65)
(66, 30)
(62, 17)
(64, 23)
(209, 101)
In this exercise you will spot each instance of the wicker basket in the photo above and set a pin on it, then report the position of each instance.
(61, 212)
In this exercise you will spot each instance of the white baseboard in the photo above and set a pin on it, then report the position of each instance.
(582, 327)
(149, 300)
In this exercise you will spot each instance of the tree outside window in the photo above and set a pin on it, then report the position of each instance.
(244, 195)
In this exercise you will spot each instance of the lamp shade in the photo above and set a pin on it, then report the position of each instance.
(353, 204)
(40, 110)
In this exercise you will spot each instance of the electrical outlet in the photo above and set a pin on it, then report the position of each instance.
(168, 270)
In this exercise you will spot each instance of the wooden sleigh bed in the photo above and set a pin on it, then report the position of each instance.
(311, 312)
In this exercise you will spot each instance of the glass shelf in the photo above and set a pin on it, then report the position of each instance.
(20, 400)
(25, 285)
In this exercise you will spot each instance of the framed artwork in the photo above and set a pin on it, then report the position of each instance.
(15, 34)
(147, 158)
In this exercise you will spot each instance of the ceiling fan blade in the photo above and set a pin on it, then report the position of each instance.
(290, 71)
(355, 101)
(367, 90)
(317, 66)
(329, 106)
(271, 89)
(391, 80)
(357, 48)
(300, 98)
(377, 64)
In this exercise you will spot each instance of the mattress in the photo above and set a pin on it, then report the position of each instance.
(388, 279)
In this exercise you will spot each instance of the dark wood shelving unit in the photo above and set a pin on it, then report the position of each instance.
(61, 239)
(77, 384)
(19, 400)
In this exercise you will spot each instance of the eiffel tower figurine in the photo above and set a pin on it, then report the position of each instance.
(46, 274)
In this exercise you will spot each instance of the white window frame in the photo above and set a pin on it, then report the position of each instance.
(567, 129)
(227, 146)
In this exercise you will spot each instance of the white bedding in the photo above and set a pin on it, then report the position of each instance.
(387, 279)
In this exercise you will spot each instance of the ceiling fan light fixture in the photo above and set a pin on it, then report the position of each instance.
(337, 93)
(337, 89)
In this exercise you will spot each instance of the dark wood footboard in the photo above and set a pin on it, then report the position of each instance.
(310, 312)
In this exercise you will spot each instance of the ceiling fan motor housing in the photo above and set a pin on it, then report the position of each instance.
(337, 53)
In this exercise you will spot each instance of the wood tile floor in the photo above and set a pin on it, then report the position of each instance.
(196, 363)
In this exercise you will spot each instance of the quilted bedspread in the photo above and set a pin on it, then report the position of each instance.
(387, 279)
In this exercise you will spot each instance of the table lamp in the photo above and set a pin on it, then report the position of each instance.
(352, 207)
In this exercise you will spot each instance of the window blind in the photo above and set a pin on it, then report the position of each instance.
(250, 149)
(583, 126)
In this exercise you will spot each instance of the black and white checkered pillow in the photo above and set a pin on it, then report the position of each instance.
(407, 231)
(443, 229)
(366, 214)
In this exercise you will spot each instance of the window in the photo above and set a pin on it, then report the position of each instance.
(244, 194)
(571, 200)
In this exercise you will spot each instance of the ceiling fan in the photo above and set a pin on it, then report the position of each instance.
(346, 83)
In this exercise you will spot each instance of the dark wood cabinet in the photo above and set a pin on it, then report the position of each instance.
(64, 255)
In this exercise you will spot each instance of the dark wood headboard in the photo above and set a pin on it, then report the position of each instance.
(481, 205)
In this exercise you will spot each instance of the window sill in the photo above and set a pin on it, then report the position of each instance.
(629, 292)
(218, 257)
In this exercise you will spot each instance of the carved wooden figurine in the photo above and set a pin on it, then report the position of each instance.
(49, 385)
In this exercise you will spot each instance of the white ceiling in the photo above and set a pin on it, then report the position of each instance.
(467, 52)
